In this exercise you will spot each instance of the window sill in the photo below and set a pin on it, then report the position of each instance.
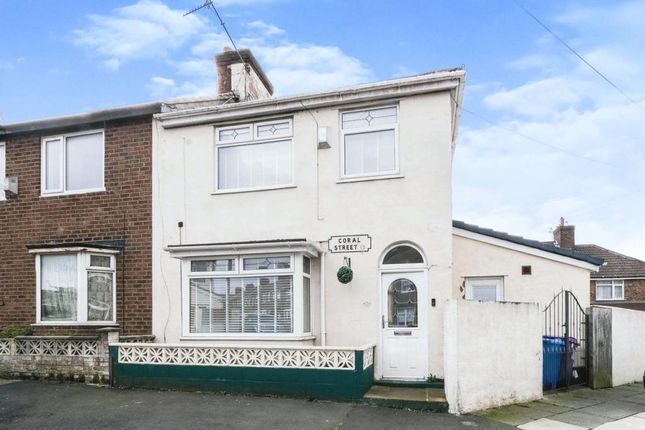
(73, 193)
(610, 300)
(250, 190)
(369, 178)
(251, 338)
(75, 324)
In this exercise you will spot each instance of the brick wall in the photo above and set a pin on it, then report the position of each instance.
(634, 295)
(122, 212)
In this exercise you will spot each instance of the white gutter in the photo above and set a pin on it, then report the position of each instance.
(403, 87)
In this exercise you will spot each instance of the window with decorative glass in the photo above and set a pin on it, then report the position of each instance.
(254, 156)
(247, 296)
(370, 142)
(610, 289)
(76, 288)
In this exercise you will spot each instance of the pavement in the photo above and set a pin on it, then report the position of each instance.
(578, 409)
(49, 405)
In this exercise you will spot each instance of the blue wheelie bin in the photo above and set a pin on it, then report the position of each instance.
(553, 349)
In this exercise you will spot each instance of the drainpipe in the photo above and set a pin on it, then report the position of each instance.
(323, 325)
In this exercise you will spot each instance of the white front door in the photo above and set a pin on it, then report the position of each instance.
(404, 353)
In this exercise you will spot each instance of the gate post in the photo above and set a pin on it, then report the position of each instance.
(600, 374)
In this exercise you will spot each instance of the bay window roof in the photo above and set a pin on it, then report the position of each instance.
(248, 247)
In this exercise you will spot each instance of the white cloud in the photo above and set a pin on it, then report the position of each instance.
(151, 30)
(537, 98)
(144, 30)
(507, 182)
(266, 29)
(10, 64)
(295, 67)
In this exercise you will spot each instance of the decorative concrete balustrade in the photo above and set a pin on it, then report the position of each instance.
(311, 371)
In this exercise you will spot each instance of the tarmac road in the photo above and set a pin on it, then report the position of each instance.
(48, 405)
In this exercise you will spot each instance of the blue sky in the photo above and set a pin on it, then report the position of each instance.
(68, 56)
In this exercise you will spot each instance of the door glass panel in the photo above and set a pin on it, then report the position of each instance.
(402, 304)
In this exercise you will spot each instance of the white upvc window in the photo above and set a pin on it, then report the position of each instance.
(73, 163)
(246, 296)
(370, 142)
(610, 289)
(3, 169)
(485, 289)
(254, 156)
(76, 288)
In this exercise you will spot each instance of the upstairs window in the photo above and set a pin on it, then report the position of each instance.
(254, 156)
(610, 290)
(3, 171)
(370, 146)
(72, 163)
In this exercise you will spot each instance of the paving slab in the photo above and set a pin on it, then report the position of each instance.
(570, 401)
(638, 387)
(547, 424)
(581, 419)
(630, 423)
(514, 414)
(613, 409)
(639, 398)
(546, 406)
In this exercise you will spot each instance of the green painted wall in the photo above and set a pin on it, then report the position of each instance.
(316, 383)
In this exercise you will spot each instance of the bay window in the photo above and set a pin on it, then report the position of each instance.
(72, 163)
(254, 156)
(76, 287)
(247, 296)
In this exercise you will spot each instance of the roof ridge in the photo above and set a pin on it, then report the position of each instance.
(613, 252)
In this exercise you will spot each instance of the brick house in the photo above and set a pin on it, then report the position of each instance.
(620, 281)
(75, 238)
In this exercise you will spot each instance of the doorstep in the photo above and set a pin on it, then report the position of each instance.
(419, 398)
(438, 383)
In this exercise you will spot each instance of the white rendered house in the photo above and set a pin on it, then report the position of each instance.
(259, 201)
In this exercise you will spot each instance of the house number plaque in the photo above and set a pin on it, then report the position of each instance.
(350, 243)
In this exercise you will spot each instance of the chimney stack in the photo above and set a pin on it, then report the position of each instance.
(564, 235)
(240, 76)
